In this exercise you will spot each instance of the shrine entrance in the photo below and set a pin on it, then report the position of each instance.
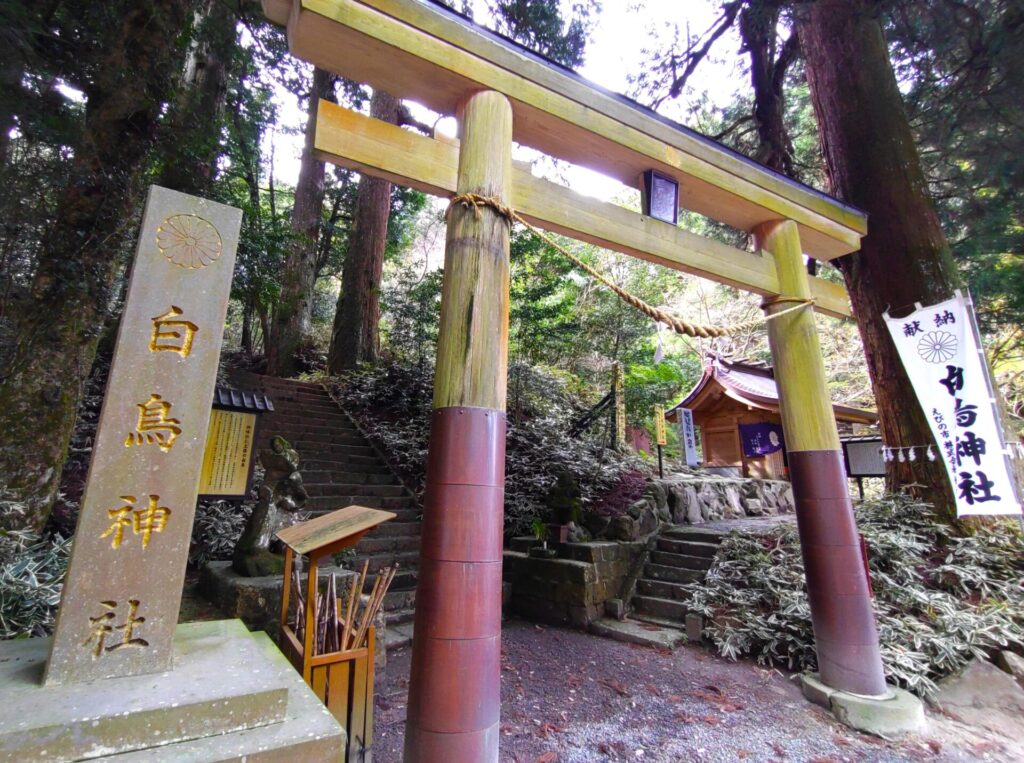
(501, 93)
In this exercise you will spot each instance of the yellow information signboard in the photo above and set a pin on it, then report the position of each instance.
(228, 454)
(659, 425)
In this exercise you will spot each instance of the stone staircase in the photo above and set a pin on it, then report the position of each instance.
(339, 468)
(682, 555)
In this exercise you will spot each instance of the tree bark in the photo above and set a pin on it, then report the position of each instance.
(62, 317)
(355, 338)
(292, 316)
(194, 127)
(758, 24)
(872, 163)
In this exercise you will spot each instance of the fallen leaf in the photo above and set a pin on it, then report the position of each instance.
(616, 686)
(547, 729)
(548, 757)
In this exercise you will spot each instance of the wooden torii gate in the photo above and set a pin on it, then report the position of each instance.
(500, 92)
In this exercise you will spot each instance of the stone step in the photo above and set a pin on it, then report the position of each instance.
(695, 534)
(681, 560)
(663, 589)
(353, 462)
(405, 560)
(319, 504)
(340, 449)
(634, 631)
(670, 609)
(342, 465)
(673, 574)
(299, 429)
(397, 600)
(344, 477)
(373, 544)
(400, 616)
(316, 439)
(679, 546)
(355, 489)
(292, 417)
(398, 636)
(692, 548)
(397, 528)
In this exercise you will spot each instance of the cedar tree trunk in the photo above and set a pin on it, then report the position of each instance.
(192, 143)
(758, 23)
(873, 164)
(355, 338)
(292, 316)
(61, 319)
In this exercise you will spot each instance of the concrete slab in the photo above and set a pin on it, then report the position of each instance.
(226, 682)
(398, 636)
(634, 632)
(308, 734)
(891, 716)
(82, 720)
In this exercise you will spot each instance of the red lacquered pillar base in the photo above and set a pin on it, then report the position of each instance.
(845, 635)
(455, 682)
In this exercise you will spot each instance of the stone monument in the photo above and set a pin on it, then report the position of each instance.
(122, 676)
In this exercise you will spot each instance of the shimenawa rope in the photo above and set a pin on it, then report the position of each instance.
(476, 201)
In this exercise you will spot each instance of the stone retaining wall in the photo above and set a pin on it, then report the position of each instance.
(701, 497)
(693, 498)
(570, 590)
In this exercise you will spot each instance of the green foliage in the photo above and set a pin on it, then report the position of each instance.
(31, 571)
(539, 25)
(542, 322)
(217, 528)
(393, 404)
(412, 305)
(939, 600)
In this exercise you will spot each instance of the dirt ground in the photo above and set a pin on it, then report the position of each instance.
(569, 697)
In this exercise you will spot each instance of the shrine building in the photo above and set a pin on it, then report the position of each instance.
(736, 411)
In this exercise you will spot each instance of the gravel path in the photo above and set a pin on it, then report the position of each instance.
(569, 697)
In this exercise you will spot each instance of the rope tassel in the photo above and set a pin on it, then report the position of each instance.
(476, 202)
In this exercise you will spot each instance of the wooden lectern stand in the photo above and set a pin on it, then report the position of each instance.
(342, 680)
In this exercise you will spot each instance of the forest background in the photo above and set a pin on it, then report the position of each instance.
(339, 273)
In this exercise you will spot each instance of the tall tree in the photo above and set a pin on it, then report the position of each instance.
(137, 50)
(873, 163)
(355, 337)
(292, 316)
(195, 122)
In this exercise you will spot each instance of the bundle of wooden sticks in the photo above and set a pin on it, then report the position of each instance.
(342, 622)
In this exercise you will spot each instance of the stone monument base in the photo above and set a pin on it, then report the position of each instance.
(257, 601)
(231, 695)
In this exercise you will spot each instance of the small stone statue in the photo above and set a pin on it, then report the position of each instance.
(564, 499)
(282, 490)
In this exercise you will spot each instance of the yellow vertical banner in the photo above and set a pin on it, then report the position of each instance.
(618, 385)
(660, 435)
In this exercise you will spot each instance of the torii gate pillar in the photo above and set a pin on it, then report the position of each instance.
(454, 688)
(844, 623)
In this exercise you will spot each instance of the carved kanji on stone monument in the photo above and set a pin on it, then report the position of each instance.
(123, 588)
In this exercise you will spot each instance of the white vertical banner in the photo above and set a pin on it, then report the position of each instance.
(942, 356)
(688, 436)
